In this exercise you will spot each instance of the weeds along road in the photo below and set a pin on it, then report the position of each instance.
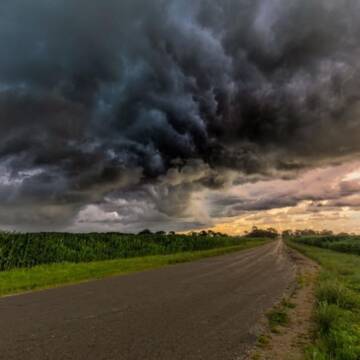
(202, 310)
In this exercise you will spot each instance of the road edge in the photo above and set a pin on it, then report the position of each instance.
(287, 328)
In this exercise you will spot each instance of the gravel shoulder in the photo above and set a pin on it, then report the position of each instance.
(289, 341)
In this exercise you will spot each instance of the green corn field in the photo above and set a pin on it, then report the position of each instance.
(28, 250)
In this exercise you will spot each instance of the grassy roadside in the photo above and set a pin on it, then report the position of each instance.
(47, 276)
(337, 312)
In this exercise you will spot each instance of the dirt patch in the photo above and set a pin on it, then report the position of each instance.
(288, 326)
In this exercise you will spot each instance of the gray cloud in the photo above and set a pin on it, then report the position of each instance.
(110, 99)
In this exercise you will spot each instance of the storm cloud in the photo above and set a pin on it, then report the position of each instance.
(136, 106)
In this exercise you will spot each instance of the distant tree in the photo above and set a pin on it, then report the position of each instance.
(287, 234)
(305, 232)
(221, 234)
(272, 230)
(145, 232)
(259, 233)
(161, 233)
(326, 233)
(172, 233)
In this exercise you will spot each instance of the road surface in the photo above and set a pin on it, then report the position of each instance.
(202, 310)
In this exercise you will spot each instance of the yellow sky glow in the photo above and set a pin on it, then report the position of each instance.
(337, 207)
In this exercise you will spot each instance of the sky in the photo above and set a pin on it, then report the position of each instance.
(179, 115)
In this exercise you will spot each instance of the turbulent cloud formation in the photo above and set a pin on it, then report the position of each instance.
(125, 112)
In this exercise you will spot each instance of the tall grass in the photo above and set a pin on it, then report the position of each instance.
(345, 244)
(29, 250)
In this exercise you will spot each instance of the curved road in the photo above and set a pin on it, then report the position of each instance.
(202, 310)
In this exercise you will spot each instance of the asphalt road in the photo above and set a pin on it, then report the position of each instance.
(202, 310)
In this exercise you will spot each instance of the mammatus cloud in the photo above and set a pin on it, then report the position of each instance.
(139, 108)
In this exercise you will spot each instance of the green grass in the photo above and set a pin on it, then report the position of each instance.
(337, 313)
(263, 341)
(46, 276)
(277, 317)
(287, 304)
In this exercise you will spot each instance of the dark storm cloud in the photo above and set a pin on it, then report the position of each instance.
(106, 97)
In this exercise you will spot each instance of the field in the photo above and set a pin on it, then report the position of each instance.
(28, 250)
(36, 261)
(345, 244)
(337, 316)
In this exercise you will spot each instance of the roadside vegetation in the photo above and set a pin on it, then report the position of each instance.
(346, 244)
(28, 250)
(337, 313)
(36, 261)
(278, 316)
